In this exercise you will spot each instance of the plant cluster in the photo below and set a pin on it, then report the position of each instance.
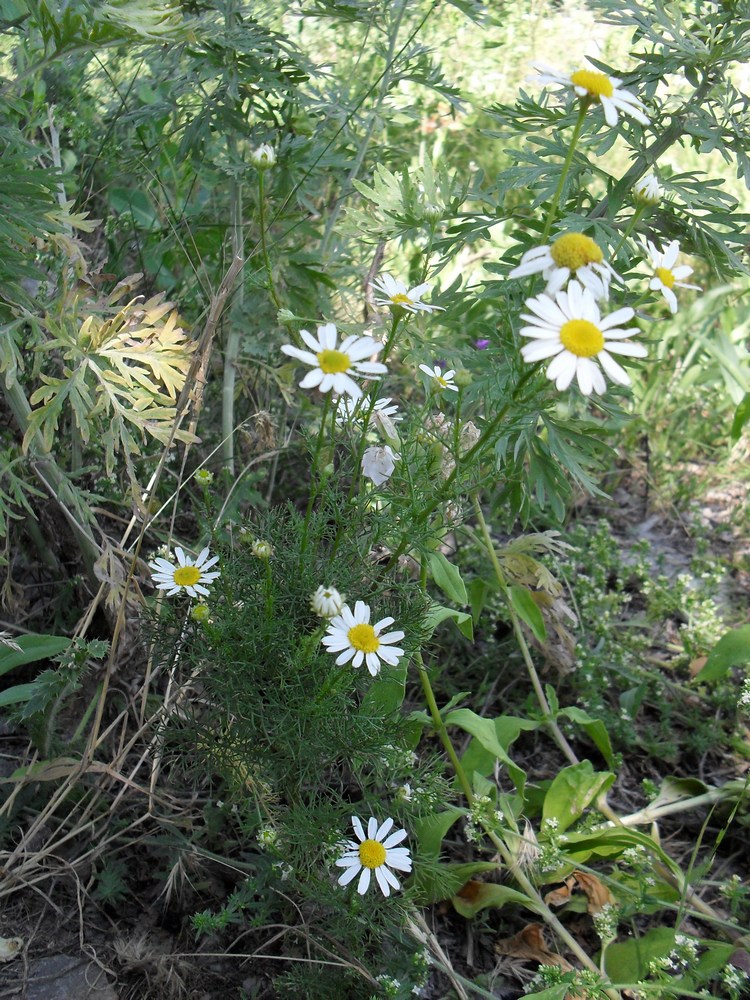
(306, 581)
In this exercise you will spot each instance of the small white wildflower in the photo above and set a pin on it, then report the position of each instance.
(666, 275)
(187, 574)
(597, 88)
(376, 852)
(352, 636)
(647, 190)
(444, 379)
(395, 294)
(333, 364)
(378, 463)
(261, 549)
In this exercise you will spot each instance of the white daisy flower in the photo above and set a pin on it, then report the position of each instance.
(395, 293)
(571, 328)
(443, 379)
(569, 254)
(384, 417)
(594, 87)
(666, 275)
(188, 574)
(353, 638)
(332, 364)
(327, 602)
(647, 190)
(376, 852)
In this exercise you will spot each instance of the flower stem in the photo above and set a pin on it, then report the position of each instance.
(552, 214)
(263, 243)
(549, 720)
(316, 457)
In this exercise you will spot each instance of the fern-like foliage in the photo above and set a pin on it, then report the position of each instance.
(121, 375)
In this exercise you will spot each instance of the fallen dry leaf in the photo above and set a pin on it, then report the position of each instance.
(530, 943)
(597, 894)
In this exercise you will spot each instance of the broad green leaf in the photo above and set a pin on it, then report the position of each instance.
(508, 728)
(17, 694)
(484, 894)
(448, 577)
(442, 881)
(430, 830)
(595, 729)
(485, 732)
(527, 611)
(572, 791)
(741, 417)
(730, 651)
(33, 647)
(438, 613)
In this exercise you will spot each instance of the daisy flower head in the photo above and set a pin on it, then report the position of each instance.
(327, 602)
(569, 254)
(333, 364)
(571, 330)
(374, 851)
(351, 635)
(443, 379)
(395, 294)
(647, 189)
(666, 275)
(385, 416)
(597, 88)
(186, 573)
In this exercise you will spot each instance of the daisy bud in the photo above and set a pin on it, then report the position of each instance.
(263, 157)
(378, 463)
(432, 212)
(203, 477)
(200, 613)
(327, 602)
(261, 549)
(462, 378)
(647, 190)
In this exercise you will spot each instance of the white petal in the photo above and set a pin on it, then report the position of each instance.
(372, 828)
(349, 875)
(610, 111)
(541, 349)
(616, 372)
(314, 345)
(384, 887)
(312, 379)
(345, 657)
(295, 352)
(383, 829)
(373, 663)
(395, 838)
(364, 881)
(585, 375)
(358, 828)
(627, 348)
(327, 336)
(617, 317)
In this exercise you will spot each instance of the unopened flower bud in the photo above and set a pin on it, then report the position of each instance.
(261, 549)
(647, 190)
(263, 157)
(463, 378)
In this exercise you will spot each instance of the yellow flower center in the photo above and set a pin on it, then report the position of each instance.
(665, 276)
(582, 338)
(333, 362)
(363, 638)
(441, 381)
(575, 250)
(371, 854)
(401, 299)
(596, 84)
(186, 576)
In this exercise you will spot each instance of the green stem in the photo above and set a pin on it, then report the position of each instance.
(316, 457)
(629, 229)
(263, 242)
(552, 214)
(549, 720)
